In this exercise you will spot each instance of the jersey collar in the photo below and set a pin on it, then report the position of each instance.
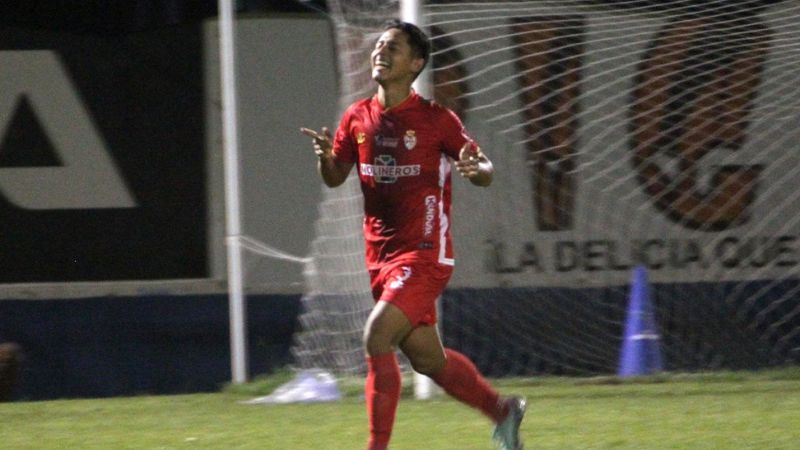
(409, 101)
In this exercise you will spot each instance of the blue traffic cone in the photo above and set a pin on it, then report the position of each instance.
(641, 347)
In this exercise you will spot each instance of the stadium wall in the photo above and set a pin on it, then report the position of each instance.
(142, 344)
(579, 331)
(157, 343)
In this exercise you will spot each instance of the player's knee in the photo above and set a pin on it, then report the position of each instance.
(385, 328)
(376, 341)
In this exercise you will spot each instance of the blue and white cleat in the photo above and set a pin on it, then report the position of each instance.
(506, 433)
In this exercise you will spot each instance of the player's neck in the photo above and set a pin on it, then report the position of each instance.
(391, 96)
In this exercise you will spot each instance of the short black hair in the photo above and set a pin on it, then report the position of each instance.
(417, 39)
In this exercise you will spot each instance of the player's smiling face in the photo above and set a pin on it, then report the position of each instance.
(393, 58)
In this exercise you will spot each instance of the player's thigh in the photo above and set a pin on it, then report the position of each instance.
(386, 327)
(413, 287)
(424, 349)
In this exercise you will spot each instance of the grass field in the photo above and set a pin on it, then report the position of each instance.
(712, 411)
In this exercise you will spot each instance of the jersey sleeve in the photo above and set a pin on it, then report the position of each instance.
(454, 134)
(344, 147)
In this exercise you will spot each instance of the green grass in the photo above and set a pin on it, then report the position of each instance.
(758, 410)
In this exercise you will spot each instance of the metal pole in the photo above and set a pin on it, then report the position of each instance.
(236, 302)
(411, 11)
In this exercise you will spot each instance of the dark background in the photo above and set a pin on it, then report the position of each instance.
(110, 17)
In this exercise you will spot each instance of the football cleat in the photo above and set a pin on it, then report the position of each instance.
(506, 433)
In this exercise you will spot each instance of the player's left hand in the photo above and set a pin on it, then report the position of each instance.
(469, 158)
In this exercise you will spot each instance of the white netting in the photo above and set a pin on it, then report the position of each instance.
(623, 133)
(339, 298)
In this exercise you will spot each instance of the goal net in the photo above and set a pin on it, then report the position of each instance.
(623, 133)
(339, 297)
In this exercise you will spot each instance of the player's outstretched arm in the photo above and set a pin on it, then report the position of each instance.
(474, 165)
(332, 171)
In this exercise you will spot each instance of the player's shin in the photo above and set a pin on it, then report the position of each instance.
(382, 392)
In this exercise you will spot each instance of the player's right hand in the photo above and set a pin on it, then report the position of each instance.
(469, 159)
(322, 141)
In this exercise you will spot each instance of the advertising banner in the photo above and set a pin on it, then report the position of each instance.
(664, 142)
(102, 156)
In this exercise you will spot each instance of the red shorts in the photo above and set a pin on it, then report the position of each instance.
(411, 286)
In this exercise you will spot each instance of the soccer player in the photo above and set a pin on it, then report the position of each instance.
(402, 146)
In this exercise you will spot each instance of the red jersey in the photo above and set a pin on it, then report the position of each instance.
(402, 155)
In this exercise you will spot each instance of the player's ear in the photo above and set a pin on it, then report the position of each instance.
(418, 64)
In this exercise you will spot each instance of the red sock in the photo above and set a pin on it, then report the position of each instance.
(461, 379)
(382, 395)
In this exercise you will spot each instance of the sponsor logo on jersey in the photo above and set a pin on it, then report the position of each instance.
(361, 137)
(386, 170)
(430, 214)
(410, 139)
(383, 141)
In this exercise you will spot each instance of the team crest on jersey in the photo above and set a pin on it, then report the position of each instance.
(361, 137)
(410, 139)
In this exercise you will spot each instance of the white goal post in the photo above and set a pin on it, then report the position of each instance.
(411, 11)
(233, 227)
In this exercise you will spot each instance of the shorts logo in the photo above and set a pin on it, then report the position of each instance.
(400, 280)
(386, 170)
(361, 137)
(410, 139)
